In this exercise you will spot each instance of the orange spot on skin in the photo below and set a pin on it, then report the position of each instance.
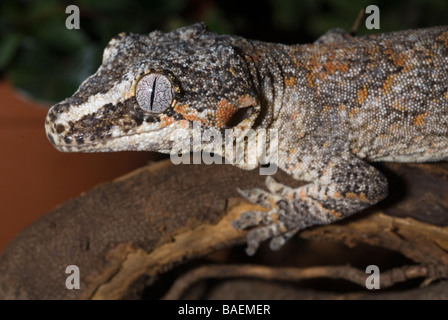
(326, 109)
(296, 63)
(388, 83)
(183, 124)
(310, 77)
(318, 89)
(362, 95)
(187, 113)
(224, 112)
(320, 70)
(342, 107)
(232, 71)
(246, 101)
(398, 106)
(165, 120)
(290, 82)
(128, 94)
(353, 112)
(334, 65)
(180, 108)
(420, 119)
(337, 195)
(443, 38)
(294, 115)
(372, 52)
(398, 59)
(335, 213)
(352, 195)
(330, 67)
(274, 216)
(313, 67)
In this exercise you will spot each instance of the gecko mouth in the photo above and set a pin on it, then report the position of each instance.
(149, 140)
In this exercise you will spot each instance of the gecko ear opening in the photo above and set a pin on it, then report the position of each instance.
(239, 116)
(247, 113)
(244, 117)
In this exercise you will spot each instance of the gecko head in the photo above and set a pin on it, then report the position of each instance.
(149, 86)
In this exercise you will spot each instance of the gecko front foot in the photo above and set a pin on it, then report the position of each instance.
(334, 196)
(274, 222)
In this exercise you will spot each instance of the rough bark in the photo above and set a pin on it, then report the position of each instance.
(136, 228)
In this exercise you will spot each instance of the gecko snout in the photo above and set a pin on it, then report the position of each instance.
(55, 128)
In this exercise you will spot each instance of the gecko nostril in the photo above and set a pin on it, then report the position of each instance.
(60, 128)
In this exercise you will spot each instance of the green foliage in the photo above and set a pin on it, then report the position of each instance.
(44, 59)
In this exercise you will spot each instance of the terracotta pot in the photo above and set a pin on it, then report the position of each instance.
(35, 177)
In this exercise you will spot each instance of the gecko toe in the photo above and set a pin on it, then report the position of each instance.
(256, 236)
(278, 241)
(260, 197)
(277, 188)
(252, 218)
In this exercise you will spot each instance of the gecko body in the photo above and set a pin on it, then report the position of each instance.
(337, 105)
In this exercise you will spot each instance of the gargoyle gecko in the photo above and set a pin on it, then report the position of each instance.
(337, 104)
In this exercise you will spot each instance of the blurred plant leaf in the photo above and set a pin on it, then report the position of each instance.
(48, 62)
(56, 76)
(62, 39)
(8, 48)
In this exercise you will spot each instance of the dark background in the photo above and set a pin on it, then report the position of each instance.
(47, 61)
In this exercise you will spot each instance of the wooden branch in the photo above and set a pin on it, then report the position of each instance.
(387, 279)
(357, 22)
(252, 289)
(159, 216)
(421, 242)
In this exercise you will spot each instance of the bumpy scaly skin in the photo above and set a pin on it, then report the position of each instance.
(337, 104)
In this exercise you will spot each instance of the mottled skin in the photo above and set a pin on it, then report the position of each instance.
(338, 104)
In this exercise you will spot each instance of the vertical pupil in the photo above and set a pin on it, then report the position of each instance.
(153, 92)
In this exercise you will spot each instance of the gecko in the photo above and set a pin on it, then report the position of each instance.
(338, 104)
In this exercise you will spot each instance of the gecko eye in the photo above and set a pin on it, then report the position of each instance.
(154, 93)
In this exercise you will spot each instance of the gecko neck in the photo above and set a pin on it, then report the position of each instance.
(274, 73)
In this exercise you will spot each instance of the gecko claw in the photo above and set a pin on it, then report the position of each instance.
(259, 196)
(277, 188)
(252, 218)
(278, 241)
